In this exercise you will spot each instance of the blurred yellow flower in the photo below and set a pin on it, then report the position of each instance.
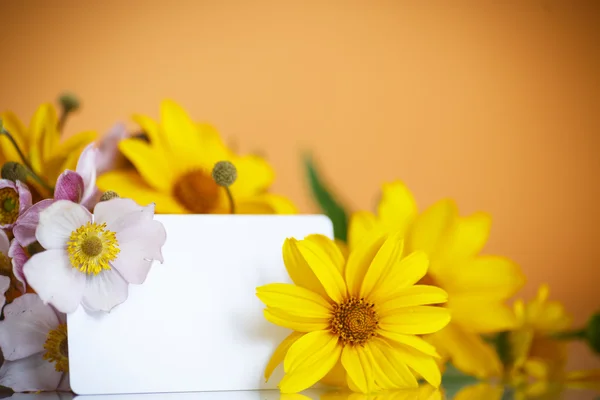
(42, 145)
(477, 285)
(423, 392)
(360, 315)
(173, 169)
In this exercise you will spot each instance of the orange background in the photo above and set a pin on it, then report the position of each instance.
(493, 103)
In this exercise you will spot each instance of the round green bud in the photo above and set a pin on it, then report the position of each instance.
(14, 171)
(109, 195)
(224, 173)
(69, 102)
(592, 332)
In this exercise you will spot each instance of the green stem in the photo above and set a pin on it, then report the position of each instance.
(231, 202)
(26, 163)
(576, 334)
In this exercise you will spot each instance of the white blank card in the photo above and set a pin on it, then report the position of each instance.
(196, 323)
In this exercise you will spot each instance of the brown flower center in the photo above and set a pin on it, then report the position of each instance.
(354, 321)
(197, 191)
(9, 206)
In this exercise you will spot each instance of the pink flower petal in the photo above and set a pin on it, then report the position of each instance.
(24, 229)
(86, 168)
(120, 214)
(139, 245)
(108, 148)
(69, 186)
(30, 374)
(27, 321)
(4, 285)
(58, 221)
(4, 242)
(104, 291)
(65, 383)
(18, 258)
(53, 278)
(24, 196)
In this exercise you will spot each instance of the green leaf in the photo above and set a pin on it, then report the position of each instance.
(326, 200)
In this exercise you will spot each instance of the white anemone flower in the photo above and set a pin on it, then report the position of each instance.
(92, 259)
(33, 339)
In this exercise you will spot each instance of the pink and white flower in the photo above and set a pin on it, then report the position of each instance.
(92, 259)
(15, 198)
(33, 339)
(78, 186)
(109, 155)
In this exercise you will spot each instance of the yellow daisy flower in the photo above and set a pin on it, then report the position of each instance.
(42, 144)
(173, 169)
(477, 285)
(360, 315)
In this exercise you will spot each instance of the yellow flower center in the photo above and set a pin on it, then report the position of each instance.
(91, 247)
(9, 206)
(354, 321)
(197, 191)
(57, 348)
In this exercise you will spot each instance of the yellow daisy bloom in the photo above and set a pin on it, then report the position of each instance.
(361, 315)
(477, 285)
(41, 143)
(173, 169)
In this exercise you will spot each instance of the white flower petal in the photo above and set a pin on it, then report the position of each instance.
(121, 214)
(24, 196)
(53, 278)
(104, 291)
(4, 285)
(27, 321)
(30, 374)
(139, 245)
(4, 242)
(86, 168)
(18, 259)
(58, 221)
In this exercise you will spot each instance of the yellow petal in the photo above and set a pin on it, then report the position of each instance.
(279, 204)
(280, 352)
(180, 132)
(43, 129)
(212, 148)
(480, 314)
(298, 268)
(254, 176)
(387, 258)
(358, 366)
(411, 296)
(431, 226)
(324, 269)
(422, 364)
(361, 223)
(76, 142)
(294, 300)
(466, 237)
(360, 259)
(409, 271)
(480, 391)
(397, 208)
(410, 340)
(17, 130)
(495, 277)
(129, 184)
(250, 206)
(150, 128)
(468, 352)
(391, 372)
(420, 320)
(150, 162)
(336, 377)
(330, 249)
(294, 322)
(308, 360)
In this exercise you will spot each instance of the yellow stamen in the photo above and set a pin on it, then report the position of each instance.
(57, 348)
(91, 247)
(9, 206)
(197, 191)
(354, 321)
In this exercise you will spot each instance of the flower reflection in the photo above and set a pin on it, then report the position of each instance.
(424, 392)
(42, 396)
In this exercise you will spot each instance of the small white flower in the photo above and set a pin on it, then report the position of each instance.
(33, 339)
(91, 259)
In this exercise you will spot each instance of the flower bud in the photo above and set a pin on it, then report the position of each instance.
(69, 102)
(224, 173)
(109, 195)
(14, 171)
